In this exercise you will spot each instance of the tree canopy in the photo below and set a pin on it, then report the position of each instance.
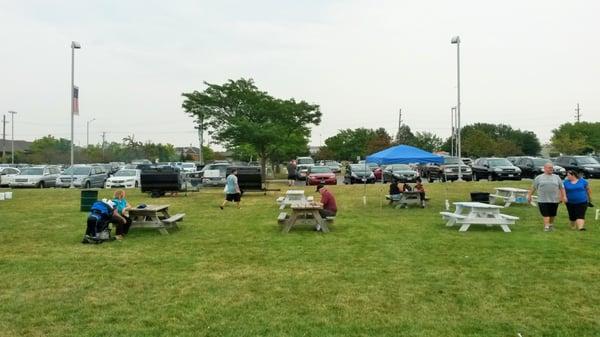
(240, 115)
(349, 143)
(484, 139)
(577, 138)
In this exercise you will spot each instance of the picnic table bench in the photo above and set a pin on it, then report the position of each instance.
(477, 213)
(292, 196)
(304, 212)
(510, 195)
(406, 198)
(154, 216)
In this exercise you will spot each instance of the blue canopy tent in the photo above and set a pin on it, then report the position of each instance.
(404, 154)
(401, 154)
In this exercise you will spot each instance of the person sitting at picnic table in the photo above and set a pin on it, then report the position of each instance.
(328, 202)
(579, 195)
(232, 190)
(395, 190)
(421, 189)
(122, 208)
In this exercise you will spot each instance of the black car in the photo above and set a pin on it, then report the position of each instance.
(399, 172)
(359, 173)
(533, 166)
(495, 169)
(446, 171)
(588, 167)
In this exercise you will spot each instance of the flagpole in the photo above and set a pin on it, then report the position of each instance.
(74, 45)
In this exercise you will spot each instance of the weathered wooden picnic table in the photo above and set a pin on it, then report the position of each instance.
(154, 216)
(304, 212)
(509, 195)
(405, 199)
(477, 213)
(291, 197)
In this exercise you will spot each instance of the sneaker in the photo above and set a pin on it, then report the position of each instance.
(582, 229)
(547, 229)
(221, 207)
(118, 237)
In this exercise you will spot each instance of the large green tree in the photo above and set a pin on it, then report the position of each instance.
(427, 141)
(577, 138)
(348, 144)
(238, 113)
(484, 139)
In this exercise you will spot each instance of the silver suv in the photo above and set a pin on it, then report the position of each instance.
(36, 176)
(86, 176)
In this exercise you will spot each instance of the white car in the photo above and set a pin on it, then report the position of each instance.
(126, 178)
(36, 176)
(188, 167)
(7, 174)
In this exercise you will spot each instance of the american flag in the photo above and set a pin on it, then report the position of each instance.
(75, 101)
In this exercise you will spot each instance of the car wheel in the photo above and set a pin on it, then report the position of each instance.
(490, 177)
(41, 184)
(87, 184)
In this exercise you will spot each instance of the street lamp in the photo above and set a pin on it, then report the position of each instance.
(453, 131)
(12, 134)
(456, 40)
(88, 131)
(74, 45)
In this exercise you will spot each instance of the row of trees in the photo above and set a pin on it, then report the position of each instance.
(577, 138)
(51, 150)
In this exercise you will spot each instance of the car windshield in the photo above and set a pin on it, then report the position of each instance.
(301, 161)
(125, 173)
(451, 160)
(32, 172)
(332, 163)
(586, 160)
(359, 168)
(77, 171)
(499, 162)
(320, 169)
(540, 161)
(399, 168)
(188, 165)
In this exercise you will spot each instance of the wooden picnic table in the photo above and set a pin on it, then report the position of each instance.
(471, 213)
(291, 197)
(405, 199)
(305, 212)
(509, 195)
(154, 216)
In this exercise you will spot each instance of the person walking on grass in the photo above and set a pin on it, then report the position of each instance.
(291, 172)
(550, 192)
(232, 190)
(579, 195)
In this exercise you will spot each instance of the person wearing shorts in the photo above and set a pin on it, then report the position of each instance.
(232, 190)
(291, 172)
(550, 192)
(579, 195)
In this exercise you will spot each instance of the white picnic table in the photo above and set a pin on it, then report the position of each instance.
(293, 197)
(476, 213)
(509, 195)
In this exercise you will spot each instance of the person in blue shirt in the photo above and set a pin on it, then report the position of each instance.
(122, 207)
(232, 190)
(579, 195)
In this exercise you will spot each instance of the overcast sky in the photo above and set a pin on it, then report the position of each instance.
(524, 63)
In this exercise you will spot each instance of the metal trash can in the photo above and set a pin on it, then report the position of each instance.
(88, 198)
(483, 197)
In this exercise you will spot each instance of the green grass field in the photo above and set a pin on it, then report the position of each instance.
(380, 272)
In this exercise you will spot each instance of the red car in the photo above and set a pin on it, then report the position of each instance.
(320, 175)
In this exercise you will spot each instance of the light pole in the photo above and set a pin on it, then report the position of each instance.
(453, 131)
(88, 132)
(12, 135)
(456, 40)
(74, 45)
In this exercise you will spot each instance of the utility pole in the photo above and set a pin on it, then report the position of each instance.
(399, 124)
(103, 141)
(577, 113)
(200, 128)
(3, 136)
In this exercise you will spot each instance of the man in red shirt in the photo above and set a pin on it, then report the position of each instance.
(328, 201)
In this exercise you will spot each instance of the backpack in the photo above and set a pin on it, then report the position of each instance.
(97, 230)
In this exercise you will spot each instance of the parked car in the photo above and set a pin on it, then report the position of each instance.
(302, 171)
(376, 169)
(399, 172)
(357, 173)
(335, 166)
(514, 159)
(7, 174)
(533, 166)
(588, 167)
(125, 178)
(305, 161)
(495, 169)
(448, 171)
(36, 176)
(86, 176)
(320, 175)
(214, 178)
(188, 167)
(468, 161)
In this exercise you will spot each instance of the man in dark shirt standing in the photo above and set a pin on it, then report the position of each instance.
(328, 201)
(291, 169)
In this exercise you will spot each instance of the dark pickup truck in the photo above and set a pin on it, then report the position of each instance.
(448, 171)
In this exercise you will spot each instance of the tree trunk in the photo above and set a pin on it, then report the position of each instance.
(263, 166)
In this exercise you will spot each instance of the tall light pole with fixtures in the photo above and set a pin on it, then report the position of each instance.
(88, 131)
(12, 134)
(74, 45)
(456, 40)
